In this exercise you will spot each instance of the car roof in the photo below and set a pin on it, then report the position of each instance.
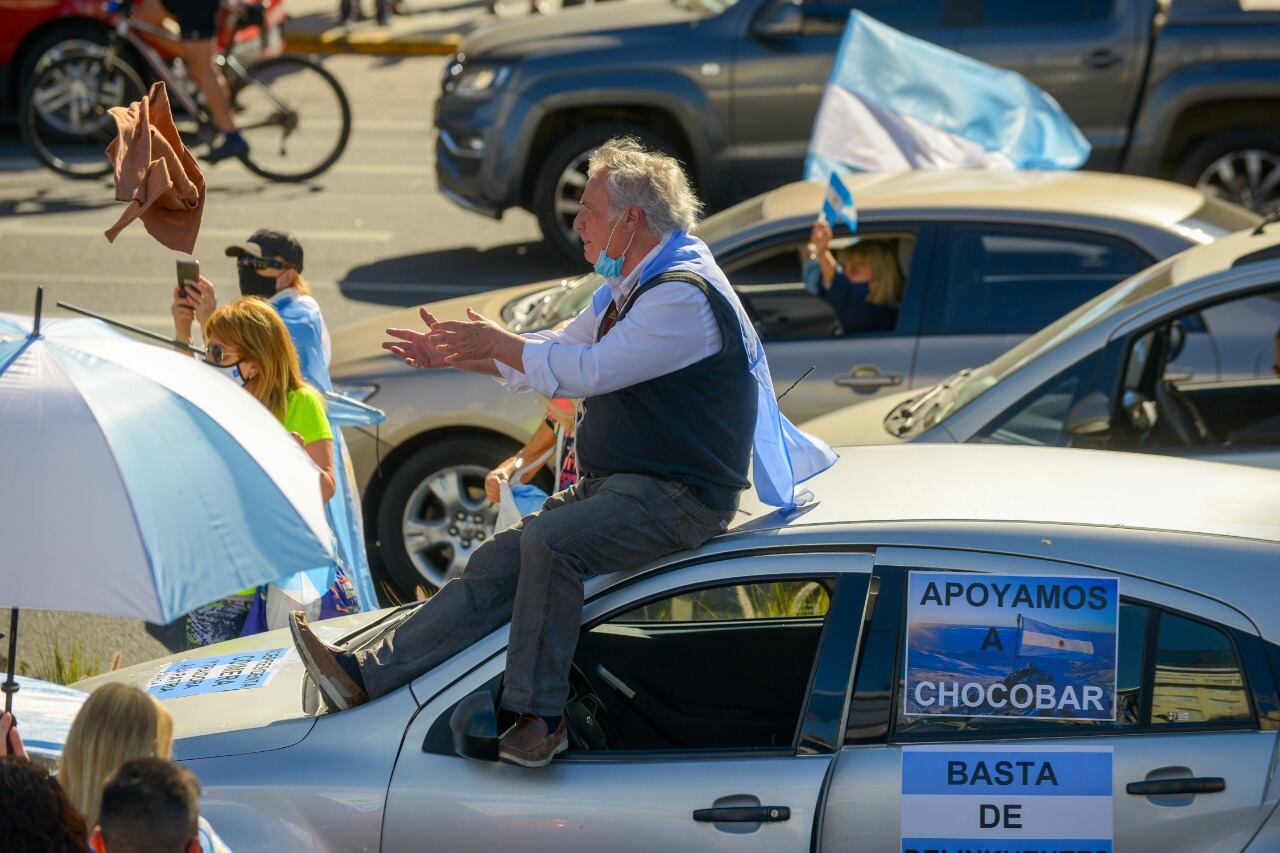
(1011, 484)
(1123, 197)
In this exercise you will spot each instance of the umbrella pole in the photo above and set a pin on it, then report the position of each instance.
(10, 685)
(35, 330)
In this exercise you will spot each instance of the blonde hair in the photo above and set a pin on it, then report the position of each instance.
(254, 328)
(300, 284)
(885, 286)
(117, 723)
(653, 182)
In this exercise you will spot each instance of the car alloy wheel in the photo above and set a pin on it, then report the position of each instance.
(568, 195)
(446, 518)
(1249, 177)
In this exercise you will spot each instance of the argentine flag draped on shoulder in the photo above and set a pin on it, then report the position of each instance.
(895, 103)
(784, 456)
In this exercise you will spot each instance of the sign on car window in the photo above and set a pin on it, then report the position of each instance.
(1011, 646)
(1004, 799)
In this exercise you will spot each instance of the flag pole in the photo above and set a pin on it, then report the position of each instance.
(10, 685)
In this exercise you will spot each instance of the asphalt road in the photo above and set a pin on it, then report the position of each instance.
(376, 233)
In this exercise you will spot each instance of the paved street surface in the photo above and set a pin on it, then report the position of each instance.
(376, 232)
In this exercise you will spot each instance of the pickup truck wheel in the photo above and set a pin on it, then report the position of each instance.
(557, 191)
(1242, 166)
(434, 515)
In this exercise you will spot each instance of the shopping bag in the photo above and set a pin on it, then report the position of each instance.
(515, 502)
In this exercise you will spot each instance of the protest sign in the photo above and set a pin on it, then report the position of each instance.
(244, 671)
(1011, 646)
(1013, 799)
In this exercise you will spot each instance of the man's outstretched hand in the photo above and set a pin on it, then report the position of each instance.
(474, 339)
(414, 347)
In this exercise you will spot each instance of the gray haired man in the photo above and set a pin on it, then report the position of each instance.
(669, 410)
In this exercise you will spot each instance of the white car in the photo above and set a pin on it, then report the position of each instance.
(1181, 359)
(748, 696)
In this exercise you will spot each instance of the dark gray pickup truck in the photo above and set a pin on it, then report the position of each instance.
(1188, 90)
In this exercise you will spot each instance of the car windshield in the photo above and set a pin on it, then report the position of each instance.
(940, 401)
(553, 305)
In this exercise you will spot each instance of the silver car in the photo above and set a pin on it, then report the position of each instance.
(987, 257)
(1182, 359)
(747, 696)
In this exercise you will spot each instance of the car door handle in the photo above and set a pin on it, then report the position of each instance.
(743, 814)
(868, 376)
(1191, 785)
(1101, 59)
(1178, 374)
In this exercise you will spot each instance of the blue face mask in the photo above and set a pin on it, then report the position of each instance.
(606, 266)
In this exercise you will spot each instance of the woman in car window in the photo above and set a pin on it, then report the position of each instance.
(863, 286)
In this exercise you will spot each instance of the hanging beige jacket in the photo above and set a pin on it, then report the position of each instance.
(155, 173)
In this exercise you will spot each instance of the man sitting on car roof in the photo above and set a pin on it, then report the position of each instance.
(676, 397)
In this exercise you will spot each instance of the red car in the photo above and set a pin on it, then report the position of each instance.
(30, 29)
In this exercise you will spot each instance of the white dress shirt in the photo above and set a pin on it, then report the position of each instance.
(669, 327)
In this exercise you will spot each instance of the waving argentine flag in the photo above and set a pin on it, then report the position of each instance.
(895, 102)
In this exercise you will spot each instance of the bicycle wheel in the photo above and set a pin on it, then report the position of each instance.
(293, 114)
(63, 111)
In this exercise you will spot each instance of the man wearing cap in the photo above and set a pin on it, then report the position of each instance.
(269, 265)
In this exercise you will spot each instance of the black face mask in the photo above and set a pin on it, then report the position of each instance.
(252, 284)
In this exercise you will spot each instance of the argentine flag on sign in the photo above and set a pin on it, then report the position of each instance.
(895, 103)
(1040, 639)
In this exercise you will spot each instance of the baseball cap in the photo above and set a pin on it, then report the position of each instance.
(270, 243)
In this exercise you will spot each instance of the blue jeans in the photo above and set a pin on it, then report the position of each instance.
(532, 575)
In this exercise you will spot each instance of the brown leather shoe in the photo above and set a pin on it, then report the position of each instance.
(340, 692)
(528, 744)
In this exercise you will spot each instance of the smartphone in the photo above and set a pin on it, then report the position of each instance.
(188, 272)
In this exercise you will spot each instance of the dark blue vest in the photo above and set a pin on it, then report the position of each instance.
(694, 425)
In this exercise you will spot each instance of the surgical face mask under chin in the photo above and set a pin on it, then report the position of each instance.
(606, 266)
(252, 284)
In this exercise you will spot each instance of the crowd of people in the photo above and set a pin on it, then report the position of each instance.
(117, 788)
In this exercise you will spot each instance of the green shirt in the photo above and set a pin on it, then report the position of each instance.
(304, 414)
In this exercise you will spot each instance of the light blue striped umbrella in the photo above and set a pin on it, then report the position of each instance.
(135, 481)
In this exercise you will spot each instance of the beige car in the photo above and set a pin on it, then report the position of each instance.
(987, 259)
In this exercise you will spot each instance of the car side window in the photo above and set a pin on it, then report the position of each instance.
(1044, 12)
(723, 667)
(915, 15)
(1197, 675)
(783, 294)
(1007, 279)
(1170, 670)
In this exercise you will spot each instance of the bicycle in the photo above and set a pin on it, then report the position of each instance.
(63, 111)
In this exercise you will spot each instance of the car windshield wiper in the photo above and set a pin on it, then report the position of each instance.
(906, 413)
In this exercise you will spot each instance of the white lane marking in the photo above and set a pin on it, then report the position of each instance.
(97, 278)
(14, 226)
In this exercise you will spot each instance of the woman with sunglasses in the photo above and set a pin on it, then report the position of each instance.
(248, 342)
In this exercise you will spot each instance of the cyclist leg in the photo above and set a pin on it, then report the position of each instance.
(197, 21)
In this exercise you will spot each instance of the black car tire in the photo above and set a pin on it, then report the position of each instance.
(1196, 164)
(76, 34)
(574, 149)
(480, 453)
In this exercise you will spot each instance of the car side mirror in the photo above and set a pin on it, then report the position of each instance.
(1140, 410)
(1090, 415)
(474, 725)
(780, 19)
